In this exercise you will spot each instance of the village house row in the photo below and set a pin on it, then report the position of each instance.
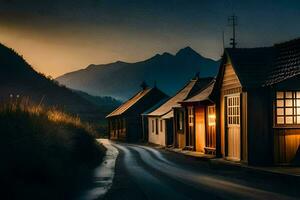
(249, 112)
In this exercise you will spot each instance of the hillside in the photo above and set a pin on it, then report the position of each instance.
(120, 79)
(19, 79)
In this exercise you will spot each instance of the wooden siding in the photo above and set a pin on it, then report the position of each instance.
(244, 126)
(200, 128)
(230, 79)
(286, 144)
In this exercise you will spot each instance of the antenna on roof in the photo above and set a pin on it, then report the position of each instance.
(232, 20)
(144, 85)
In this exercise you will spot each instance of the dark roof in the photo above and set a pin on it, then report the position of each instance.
(203, 95)
(128, 104)
(252, 65)
(287, 62)
(189, 90)
(156, 106)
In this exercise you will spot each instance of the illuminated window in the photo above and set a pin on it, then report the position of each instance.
(287, 108)
(191, 116)
(211, 115)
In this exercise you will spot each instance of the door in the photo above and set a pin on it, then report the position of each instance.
(200, 128)
(233, 127)
(191, 129)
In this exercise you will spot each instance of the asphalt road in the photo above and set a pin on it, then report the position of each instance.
(144, 172)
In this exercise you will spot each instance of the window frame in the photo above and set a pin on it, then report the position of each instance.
(211, 115)
(180, 121)
(161, 125)
(294, 107)
(156, 127)
(152, 125)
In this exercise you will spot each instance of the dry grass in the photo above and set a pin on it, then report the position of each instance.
(47, 154)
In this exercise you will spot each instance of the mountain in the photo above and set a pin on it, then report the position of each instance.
(20, 82)
(121, 80)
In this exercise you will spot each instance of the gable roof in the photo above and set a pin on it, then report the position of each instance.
(190, 89)
(128, 104)
(203, 95)
(251, 65)
(287, 62)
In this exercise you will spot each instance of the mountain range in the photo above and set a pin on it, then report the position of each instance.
(121, 79)
(19, 81)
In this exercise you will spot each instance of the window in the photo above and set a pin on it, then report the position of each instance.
(211, 110)
(191, 116)
(233, 110)
(287, 108)
(152, 125)
(124, 124)
(156, 126)
(180, 121)
(161, 125)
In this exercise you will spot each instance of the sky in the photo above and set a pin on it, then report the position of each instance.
(59, 36)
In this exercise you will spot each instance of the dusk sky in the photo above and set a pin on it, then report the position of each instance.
(58, 36)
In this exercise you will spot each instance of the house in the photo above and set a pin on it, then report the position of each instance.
(145, 122)
(160, 121)
(242, 105)
(125, 122)
(284, 83)
(199, 128)
(256, 93)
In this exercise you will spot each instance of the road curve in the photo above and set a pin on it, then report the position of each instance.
(159, 177)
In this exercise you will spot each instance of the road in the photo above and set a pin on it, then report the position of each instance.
(144, 172)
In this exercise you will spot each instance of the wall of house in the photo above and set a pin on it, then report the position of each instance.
(260, 139)
(230, 85)
(244, 126)
(286, 140)
(158, 134)
(200, 128)
(286, 145)
(117, 128)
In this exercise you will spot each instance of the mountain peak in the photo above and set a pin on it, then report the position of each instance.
(186, 51)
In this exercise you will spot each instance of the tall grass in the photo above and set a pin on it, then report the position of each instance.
(45, 153)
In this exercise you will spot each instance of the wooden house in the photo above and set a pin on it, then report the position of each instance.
(256, 95)
(242, 105)
(160, 121)
(284, 84)
(199, 127)
(125, 123)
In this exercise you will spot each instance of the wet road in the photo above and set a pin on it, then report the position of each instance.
(148, 173)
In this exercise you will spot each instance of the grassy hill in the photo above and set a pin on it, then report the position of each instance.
(45, 154)
(19, 79)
